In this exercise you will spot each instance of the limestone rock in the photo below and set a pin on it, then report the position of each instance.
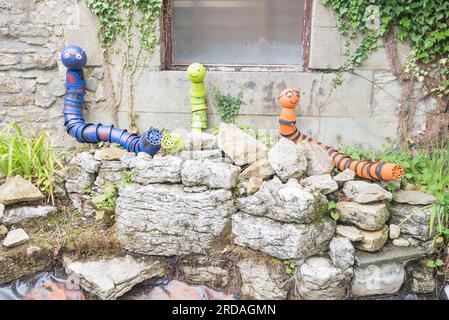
(87, 162)
(322, 183)
(280, 240)
(240, 146)
(77, 180)
(375, 280)
(111, 278)
(318, 160)
(352, 233)
(165, 220)
(157, 170)
(211, 275)
(287, 160)
(390, 254)
(9, 85)
(369, 217)
(17, 189)
(413, 220)
(111, 172)
(261, 168)
(262, 280)
(2, 211)
(401, 242)
(56, 87)
(15, 238)
(364, 192)
(319, 279)
(208, 173)
(20, 214)
(373, 240)
(252, 185)
(345, 176)
(109, 154)
(414, 197)
(127, 158)
(395, 231)
(341, 252)
(251, 179)
(195, 141)
(288, 202)
(201, 154)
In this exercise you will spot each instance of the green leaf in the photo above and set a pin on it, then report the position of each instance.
(439, 262)
(335, 215)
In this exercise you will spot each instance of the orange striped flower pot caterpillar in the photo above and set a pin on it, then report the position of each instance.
(288, 100)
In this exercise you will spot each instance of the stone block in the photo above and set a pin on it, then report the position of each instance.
(323, 16)
(389, 254)
(376, 280)
(165, 220)
(281, 240)
(263, 280)
(325, 48)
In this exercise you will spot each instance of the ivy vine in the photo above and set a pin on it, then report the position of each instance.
(117, 19)
(116, 16)
(423, 23)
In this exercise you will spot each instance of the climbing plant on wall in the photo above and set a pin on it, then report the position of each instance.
(116, 17)
(423, 23)
(119, 19)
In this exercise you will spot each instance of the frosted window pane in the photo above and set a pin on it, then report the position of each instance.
(237, 32)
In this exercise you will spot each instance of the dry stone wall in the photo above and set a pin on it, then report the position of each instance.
(199, 209)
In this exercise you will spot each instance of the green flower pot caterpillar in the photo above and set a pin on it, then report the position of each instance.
(196, 73)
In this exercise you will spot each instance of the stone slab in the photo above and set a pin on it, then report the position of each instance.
(389, 254)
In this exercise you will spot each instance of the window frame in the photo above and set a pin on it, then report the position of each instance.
(167, 46)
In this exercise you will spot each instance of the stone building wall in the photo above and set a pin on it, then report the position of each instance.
(363, 110)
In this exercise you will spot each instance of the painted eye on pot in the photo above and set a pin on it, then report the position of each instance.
(289, 94)
(78, 56)
(66, 55)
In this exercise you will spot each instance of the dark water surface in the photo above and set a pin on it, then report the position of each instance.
(46, 286)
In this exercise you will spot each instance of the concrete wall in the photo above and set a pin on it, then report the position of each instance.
(363, 110)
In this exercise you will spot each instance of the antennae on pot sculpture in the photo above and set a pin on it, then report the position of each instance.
(196, 73)
(289, 99)
(74, 59)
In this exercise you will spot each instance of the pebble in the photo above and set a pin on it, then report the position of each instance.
(401, 242)
(15, 237)
(395, 231)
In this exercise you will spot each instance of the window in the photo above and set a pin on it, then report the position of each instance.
(235, 32)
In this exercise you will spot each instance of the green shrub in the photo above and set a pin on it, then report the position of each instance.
(30, 156)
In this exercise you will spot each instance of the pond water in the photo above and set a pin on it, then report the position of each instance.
(46, 286)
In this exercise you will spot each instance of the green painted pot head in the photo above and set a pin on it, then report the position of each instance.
(196, 72)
